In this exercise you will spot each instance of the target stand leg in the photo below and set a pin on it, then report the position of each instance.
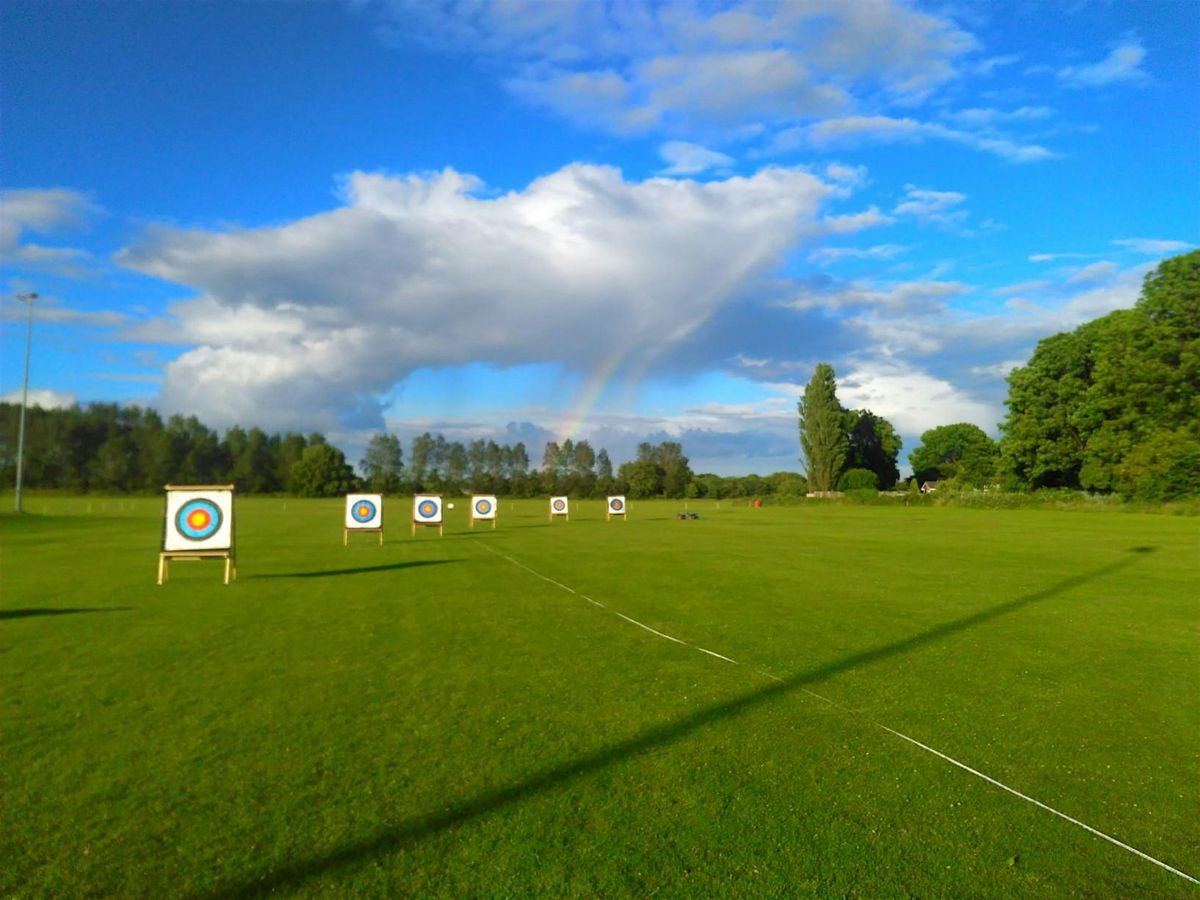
(345, 536)
(228, 566)
(380, 537)
(162, 568)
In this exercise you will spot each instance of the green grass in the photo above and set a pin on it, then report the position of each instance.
(428, 718)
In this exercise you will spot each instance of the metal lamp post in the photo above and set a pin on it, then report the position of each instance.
(24, 298)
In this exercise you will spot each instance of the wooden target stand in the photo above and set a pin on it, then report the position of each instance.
(471, 521)
(165, 557)
(416, 525)
(347, 531)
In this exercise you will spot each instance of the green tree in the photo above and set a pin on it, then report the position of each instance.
(822, 429)
(872, 443)
(962, 451)
(418, 459)
(1099, 407)
(676, 474)
(322, 471)
(383, 463)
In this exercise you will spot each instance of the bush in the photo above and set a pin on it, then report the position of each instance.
(858, 480)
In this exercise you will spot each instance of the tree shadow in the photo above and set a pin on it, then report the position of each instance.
(35, 612)
(394, 838)
(359, 570)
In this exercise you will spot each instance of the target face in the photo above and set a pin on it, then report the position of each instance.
(483, 507)
(616, 506)
(427, 509)
(364, 510)
(559, 506)
(198, 520)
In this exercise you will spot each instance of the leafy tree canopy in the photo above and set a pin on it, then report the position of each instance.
(1115, 404)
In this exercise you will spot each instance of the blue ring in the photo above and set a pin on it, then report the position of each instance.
(198, 534)
(357, 516)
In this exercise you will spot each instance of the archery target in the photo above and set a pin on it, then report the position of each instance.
(483, 507)
(559, 506)
(427, 509)
(199, 520)
(616, 506)
(364, 511)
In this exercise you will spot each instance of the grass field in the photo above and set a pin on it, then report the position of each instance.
(431, 717)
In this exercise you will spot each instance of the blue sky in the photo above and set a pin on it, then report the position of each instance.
(612, 221)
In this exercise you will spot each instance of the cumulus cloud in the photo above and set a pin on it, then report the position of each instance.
(42, 211)
(1123, 65)
(911, 399)
(43, 397)
(689, 69)
(689, 159)
(308, 321)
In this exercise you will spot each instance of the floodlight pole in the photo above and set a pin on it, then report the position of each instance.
(24, 298)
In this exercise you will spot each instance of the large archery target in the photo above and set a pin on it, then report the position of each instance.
(198, 520)
(616, 506)
(364, 511)
(483, 507)
(559, 506)
(427, 509)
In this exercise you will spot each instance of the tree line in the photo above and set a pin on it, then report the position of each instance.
(105, 447)
(1112, 407)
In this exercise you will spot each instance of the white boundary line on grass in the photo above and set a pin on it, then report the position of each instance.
(904, 737)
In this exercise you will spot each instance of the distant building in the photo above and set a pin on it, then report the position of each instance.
(929, 487)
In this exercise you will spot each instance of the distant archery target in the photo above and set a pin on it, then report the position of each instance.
(364, 510)
(616, 506)
(559, 506)
(427, 509)
(483, 507)
(199, 520)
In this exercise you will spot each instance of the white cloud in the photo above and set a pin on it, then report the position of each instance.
(879, 251)
(932, 207)
(687, 69)
(912, 298)
(1051, 257)
(43, 397)
(1122, 65)
(851, 176)
(689, 159)
(1152, 246)
(987, 118)
(302, 324)
(854, 130)
(42, 211)
(997, 370)
(1098, 271)
(911, 399)
(849, 223)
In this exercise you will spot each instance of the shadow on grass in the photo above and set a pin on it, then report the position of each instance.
(412, 831)
(359, 570)
(34, 613)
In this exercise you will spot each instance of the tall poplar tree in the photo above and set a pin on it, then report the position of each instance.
(822, 429)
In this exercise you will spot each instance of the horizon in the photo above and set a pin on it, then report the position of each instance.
(617, 225)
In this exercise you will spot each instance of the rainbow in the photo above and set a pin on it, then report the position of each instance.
(589, 396)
